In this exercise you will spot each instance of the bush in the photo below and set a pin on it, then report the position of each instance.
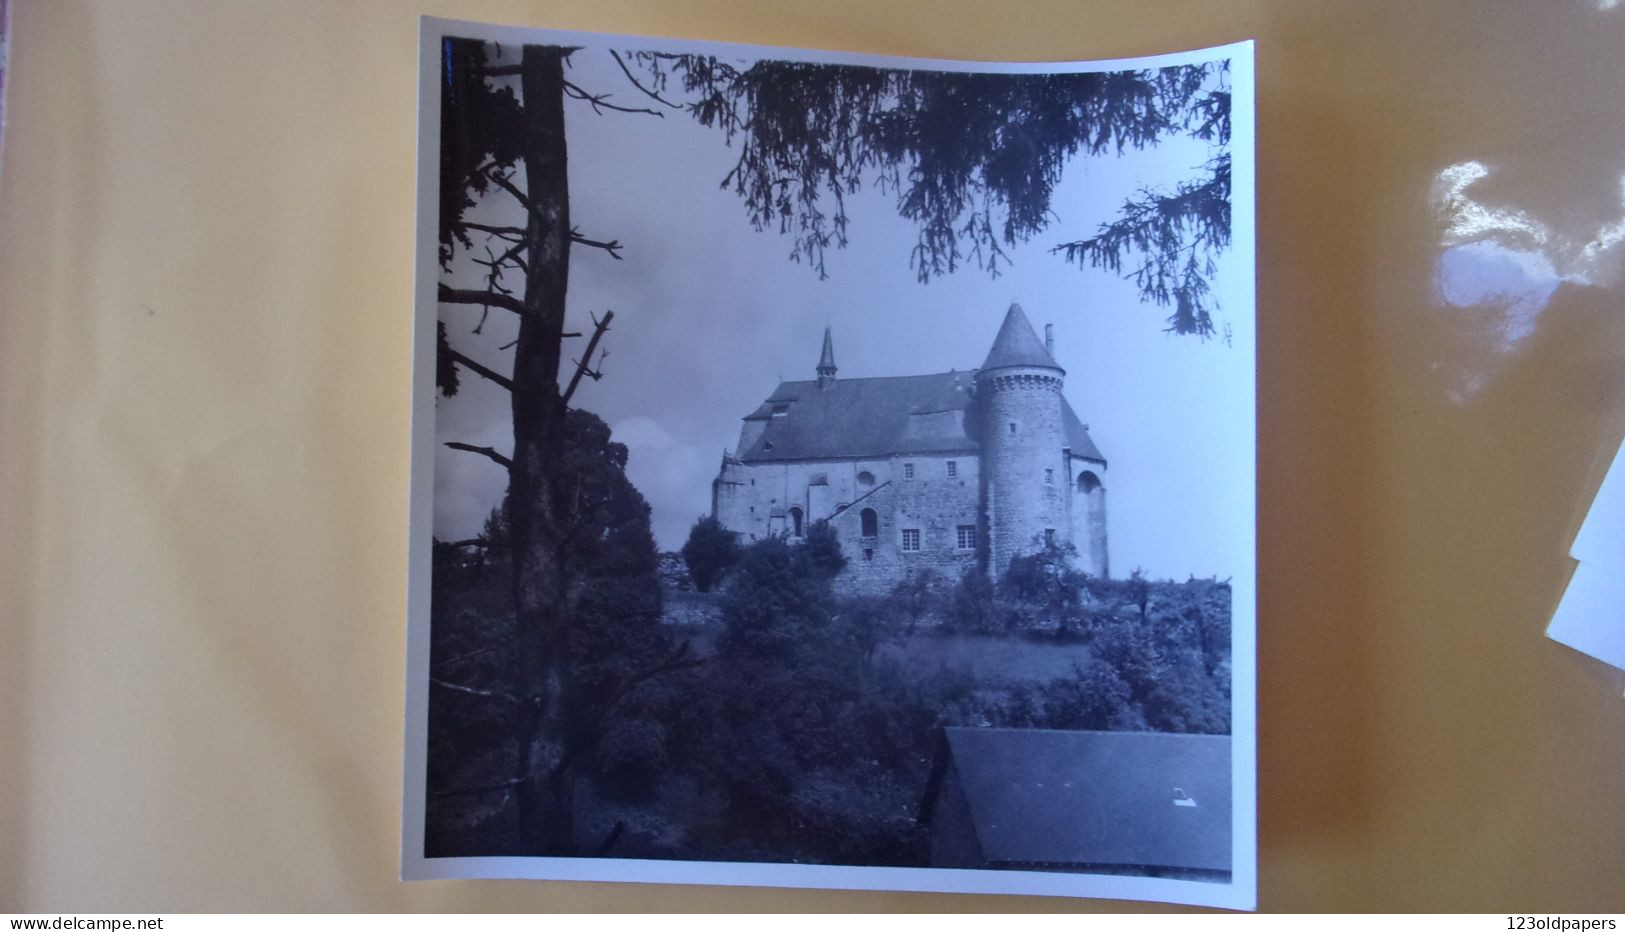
(777, 601)
(1186, 698)
(823, 550)
(972, 608)
(710, 551)
(1044, 590)
(1094, 698)
(912, 599)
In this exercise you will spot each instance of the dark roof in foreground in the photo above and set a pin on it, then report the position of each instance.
(1096, 797)
(879, 417)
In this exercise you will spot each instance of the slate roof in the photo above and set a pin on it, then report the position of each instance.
(866, 417)
(1018, 345)
(1077, 435)
(879, 417)
(1094, 798)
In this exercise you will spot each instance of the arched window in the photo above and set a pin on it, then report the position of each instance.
(795, 522)
(1088, 482)
(871, 522)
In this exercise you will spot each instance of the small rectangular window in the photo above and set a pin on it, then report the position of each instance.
(1049, 477)
(911, 540)
(1049, 537)
(868, 553)
(908, 470)
(1012, 427)
(953, 469)
(967, 537)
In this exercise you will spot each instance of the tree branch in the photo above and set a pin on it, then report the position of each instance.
(582, 368)
(613, 247)
(477, 790)
(460, 658)
(482, 693)
(486, 452)
(502, 182)
(639, 85)
(475, 542)
(470, 364)
(494, 231)
(600, 102)
(512, 254)
(450, 295)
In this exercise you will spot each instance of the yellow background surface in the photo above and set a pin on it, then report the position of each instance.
(206, 219)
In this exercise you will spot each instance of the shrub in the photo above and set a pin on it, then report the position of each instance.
(913, 598)
(777, 601)
(971, 608)
(823, 550)
(1044, 589)
(709, 552)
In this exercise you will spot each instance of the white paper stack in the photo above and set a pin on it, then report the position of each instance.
(1591, 617)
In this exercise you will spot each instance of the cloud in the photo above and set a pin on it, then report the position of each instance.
(674, 477)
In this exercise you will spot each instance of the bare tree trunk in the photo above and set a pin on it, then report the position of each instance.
(544, 796)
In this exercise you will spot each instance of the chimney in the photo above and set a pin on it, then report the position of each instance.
(1049, 340)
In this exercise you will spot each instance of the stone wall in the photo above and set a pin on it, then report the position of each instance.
(1026, 487)
(932, 503)
(1089, 516)
(1020, 485)
(754, 499)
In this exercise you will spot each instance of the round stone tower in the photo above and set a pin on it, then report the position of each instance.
(1023, 433)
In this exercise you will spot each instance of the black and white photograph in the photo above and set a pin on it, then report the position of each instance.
(832, 470)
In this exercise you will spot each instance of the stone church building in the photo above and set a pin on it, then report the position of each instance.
(944, 472)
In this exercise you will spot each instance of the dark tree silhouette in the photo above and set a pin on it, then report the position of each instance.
(608, 642)
(823, 550)
(709, 551)
(489, 135)
(972, 160)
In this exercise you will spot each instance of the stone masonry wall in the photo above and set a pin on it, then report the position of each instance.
(932, 503)
(759, 496)
(754, 499)
(1026, 484)
(1089, 517)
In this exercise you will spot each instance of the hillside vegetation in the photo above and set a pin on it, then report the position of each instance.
(804, 724)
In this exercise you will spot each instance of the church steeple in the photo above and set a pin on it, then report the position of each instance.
(826, 362)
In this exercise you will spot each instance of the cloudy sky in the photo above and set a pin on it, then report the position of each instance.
(710, 315)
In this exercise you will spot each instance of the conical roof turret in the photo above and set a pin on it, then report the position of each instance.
(826, 361)
(1018, 345)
